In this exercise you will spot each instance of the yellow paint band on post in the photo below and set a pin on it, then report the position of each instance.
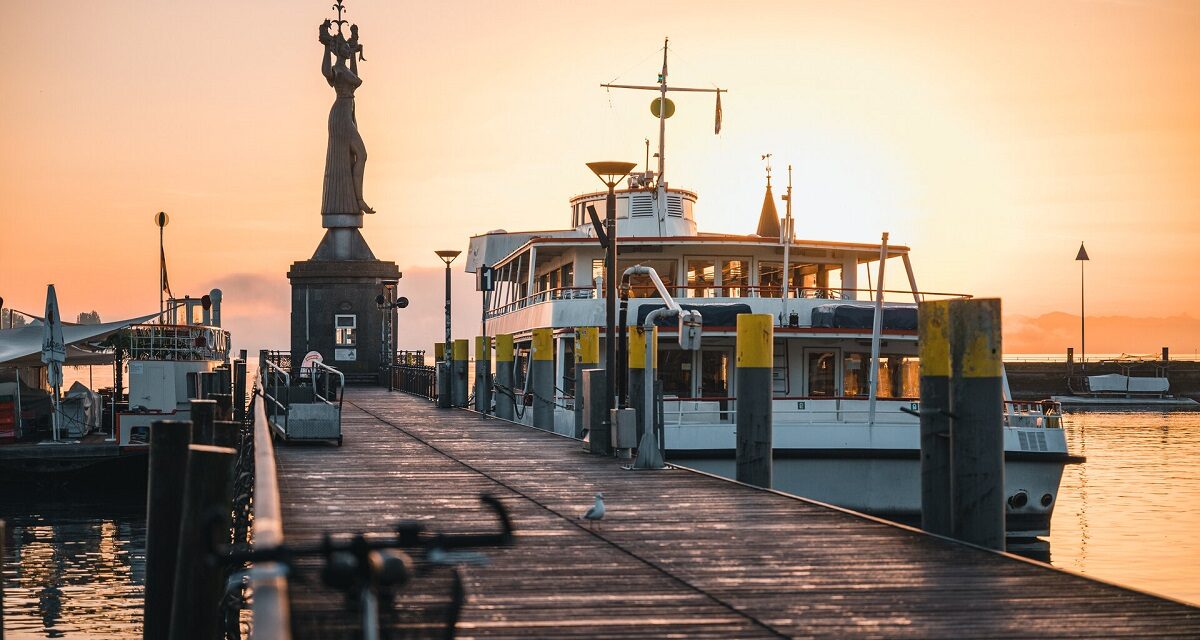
(461, 350)
(755, 340)
(543, 344)
(587, 345)
(934, 337)
(637, 347)
(975, 334)
(483, 347)
(504, 347)
(439, 350)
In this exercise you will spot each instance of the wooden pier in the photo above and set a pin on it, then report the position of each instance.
(679, 553)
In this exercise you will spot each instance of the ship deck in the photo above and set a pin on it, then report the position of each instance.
(679, 554)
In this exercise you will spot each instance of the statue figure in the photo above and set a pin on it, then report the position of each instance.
(346, 155)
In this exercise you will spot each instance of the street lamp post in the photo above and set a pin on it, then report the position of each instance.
(447, 256)
(610, 173)
(1082, 257)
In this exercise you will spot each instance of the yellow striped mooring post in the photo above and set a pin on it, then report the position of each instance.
(587, 356)
(458, 371)
(638, 372)
(934, 407)
(442, 375)
(483, 374)
(755, 357)
(976, 423)
(541, 377)
(505, 401)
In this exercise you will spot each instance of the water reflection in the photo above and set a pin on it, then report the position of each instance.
(74, 567)
(1129, 514)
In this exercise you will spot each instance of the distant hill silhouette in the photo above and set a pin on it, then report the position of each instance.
(1054, 332)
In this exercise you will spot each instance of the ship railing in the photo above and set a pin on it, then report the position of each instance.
(275, 385)
(717, 411)
(268, 580)
(417, 379)
(705, 290)
(175, 342)
(409, 358)
(328, 384)
(281, 359)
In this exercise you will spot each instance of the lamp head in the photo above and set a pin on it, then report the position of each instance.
(611, 172)
(447, 255)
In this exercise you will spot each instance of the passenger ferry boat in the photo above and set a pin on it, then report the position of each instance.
(829, 446)
(106, 436)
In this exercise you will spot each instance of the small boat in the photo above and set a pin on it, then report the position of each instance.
(1118, 391)
(104, 433)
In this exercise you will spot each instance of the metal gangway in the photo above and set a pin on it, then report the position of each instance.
(307, 408)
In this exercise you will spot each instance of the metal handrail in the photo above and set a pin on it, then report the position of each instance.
(338, 393)
(274, 374)
(270, 610)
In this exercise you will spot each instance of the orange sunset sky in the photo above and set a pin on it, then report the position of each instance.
(990, 137)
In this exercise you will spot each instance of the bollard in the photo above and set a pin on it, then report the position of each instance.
(638, 373)
(193, 384)
(207, 505)
(445, 386)
(599, 438)
(505, 398)
(976, 430)
(587, 356)
(934, 341)
(458, 373)
(204, 412)
(541, 377)
(167, 470)
(226, 433)
(239, 389)
(483, 374)
(755, 342)
(224, 405)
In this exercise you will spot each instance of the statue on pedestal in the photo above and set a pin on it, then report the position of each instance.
(346, 155)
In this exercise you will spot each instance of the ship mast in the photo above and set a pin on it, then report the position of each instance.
(665, 109)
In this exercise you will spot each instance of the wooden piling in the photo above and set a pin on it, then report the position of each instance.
(934, 340)
(207, 505)
(460, 356)
(239, 389)
(638, 372)
(204, 413)
(483, 374)
(224, 405)
(169, 441)
(976, 428)
(505, 401)
(594, 390)
(226, 433)
(587, 356)
(542, 378)
(755, 344)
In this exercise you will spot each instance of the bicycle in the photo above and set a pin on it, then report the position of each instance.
(371, 570)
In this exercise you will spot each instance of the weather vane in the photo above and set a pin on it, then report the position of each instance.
(767, 158)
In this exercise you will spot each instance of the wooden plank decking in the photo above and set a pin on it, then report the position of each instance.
(679, 554)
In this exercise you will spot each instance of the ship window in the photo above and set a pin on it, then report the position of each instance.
(566, 277)
(701, 276)
(675, 372)
(854, 374)
(345, 330)
(735, 276)
(821, 366)
(770, 278)
(714, 374)
(597, 269)
(641, 286)
(898, 376)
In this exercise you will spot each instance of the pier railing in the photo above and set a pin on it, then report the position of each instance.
(417, 379)
(268, 580)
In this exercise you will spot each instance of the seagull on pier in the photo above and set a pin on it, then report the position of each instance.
(596, 513)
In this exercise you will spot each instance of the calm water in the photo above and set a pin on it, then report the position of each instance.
(1130, 515)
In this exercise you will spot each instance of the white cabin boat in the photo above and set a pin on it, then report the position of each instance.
(826, 446)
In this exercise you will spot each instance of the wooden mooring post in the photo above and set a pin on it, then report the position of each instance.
(934, 340)
(587, 356)
(169, 441)
(441, 366)
(239, 389)
(755, 344)
(542, 378)
(976, 425)
(483, 374)
(594, 388)
(207, 507)
(204, 413)
(505, 400)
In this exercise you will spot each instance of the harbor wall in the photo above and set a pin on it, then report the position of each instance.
(1040, 380)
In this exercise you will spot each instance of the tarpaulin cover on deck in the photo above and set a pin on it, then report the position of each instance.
(715, 315)
(861, 316)
(22, 347)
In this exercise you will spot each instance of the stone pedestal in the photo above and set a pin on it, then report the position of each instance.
(335, 313)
